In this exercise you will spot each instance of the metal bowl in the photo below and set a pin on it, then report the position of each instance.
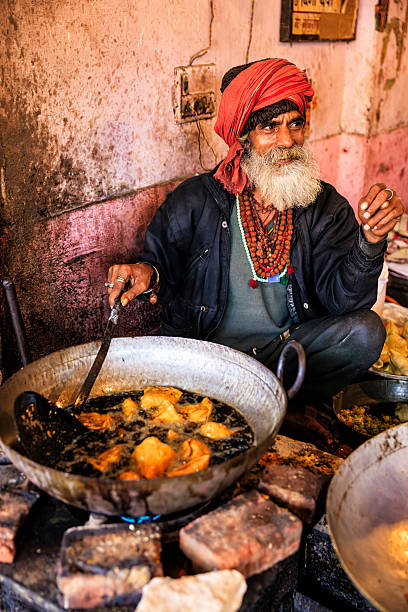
(135, 363)
(370, 392)
(367, 513)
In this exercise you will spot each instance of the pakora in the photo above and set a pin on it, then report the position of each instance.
(166, 413)
(104, 461)
(214, 431)
(152, 457)
(154, 396)
(96, 421)
(194, 455)
(129, 408)
(394, 355)
(198, 413)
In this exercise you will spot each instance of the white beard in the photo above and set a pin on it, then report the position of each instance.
(283, 186)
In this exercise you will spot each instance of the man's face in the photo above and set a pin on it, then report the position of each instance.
(281, 170)
(283, 131)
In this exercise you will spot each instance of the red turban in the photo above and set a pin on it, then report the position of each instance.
(261, 84)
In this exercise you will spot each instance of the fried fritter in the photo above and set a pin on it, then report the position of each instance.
(129, 476)
(399, 362)
(198, 413)
(166, 413)
(152, 457)
(129, 408)
(194, 455)
(214, 431)
(154, 396)
(96, 421)
(107, 458)
(191, 449)
(195, 465)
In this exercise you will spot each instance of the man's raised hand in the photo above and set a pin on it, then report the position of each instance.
(379, 211)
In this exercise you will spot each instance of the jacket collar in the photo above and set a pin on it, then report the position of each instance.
(224, 200)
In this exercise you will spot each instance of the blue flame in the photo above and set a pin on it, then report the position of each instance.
(140, 519)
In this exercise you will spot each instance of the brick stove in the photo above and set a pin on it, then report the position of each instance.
(269, 505)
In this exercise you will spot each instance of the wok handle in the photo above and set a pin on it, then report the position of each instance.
(301, 366)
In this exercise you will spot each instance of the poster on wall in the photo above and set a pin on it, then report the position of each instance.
(303, 20)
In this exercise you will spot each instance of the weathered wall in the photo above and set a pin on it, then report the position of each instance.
(87, 132)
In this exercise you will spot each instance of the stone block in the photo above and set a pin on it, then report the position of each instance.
(287, 451)
(108, 564)
(294, 488)
(14, 508)
(249, 533)
(220, 591)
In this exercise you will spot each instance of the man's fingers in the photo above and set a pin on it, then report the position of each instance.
(131, 293)
(138, 275)
(384, 229)
(118, 276)
(384, 216)
(392, 216)
(371, 195)
(380, 201)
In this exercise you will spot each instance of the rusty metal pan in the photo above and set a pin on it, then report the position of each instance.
(367, 513)
(135, 363)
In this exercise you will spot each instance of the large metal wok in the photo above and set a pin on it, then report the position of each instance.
(367, 512)
(135, 363)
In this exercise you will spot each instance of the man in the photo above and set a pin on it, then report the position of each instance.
(260, 250)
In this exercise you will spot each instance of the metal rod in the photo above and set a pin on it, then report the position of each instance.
(17, 320)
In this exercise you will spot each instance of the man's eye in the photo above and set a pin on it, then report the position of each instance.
(297, 125)
(272, 127)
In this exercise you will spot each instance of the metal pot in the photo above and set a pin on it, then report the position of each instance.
(370, 393)
(367, 513)
(135, 363)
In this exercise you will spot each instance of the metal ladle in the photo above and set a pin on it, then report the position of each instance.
(44, 429)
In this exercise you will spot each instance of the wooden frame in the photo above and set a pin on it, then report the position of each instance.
(318, 20)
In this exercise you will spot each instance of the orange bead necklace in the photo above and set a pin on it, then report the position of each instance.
(269, 254)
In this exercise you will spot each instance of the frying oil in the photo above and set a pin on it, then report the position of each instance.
(133, 432)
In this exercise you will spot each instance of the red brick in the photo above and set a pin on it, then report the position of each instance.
(108, 564)
(250, 533)
(295, 488)
(302, 454)
(14, 508)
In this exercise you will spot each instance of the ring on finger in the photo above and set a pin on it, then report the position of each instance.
(391, 193)
(110, 285)
(120, 279)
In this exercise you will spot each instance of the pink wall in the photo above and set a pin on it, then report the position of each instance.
(89, 143)
(353, 163)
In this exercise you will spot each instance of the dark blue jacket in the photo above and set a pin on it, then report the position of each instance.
(335, 269)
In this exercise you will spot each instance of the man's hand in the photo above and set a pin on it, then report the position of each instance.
(379, 212)
(137, 274)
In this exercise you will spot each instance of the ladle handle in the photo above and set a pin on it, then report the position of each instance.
(16, 320)
(301, 366)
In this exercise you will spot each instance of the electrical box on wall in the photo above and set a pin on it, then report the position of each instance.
(194, 92)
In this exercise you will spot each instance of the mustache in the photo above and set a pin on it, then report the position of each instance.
(293, 153)
(283, 185)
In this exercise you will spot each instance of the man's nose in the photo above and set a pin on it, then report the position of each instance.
(285, 138)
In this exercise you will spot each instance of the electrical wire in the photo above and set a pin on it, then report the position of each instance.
(250, 31)
(200, 133)
(204, 51)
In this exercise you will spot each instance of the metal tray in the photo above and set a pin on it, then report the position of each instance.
(388, 374)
